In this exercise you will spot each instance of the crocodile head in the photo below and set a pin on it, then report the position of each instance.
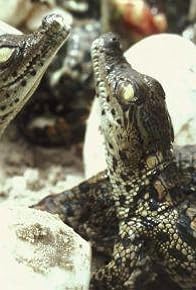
(134, 117)
(23, 61)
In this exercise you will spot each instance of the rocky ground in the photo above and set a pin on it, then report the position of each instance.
(28, 172)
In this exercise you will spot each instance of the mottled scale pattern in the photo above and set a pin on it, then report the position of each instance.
(141, 211)
(90, 204)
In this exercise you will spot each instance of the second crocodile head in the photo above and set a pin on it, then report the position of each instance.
(23, 61)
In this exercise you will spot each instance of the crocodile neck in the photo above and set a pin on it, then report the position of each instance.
(135, 123)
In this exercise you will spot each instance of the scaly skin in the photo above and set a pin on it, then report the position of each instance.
(151, 200)
(23, 61)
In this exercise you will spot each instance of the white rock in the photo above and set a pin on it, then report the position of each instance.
(171, 59)
(14, 12)
(18, 183)
(38, 251)
(31, 175)
(6, 28)
(29, 14)
(93, 152)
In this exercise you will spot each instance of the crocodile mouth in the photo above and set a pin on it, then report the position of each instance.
(33, 88)
(25, 72)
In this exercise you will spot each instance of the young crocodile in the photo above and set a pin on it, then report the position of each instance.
(142, 210)
(23, 61)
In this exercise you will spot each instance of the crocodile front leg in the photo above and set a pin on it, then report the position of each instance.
(89, 209)
(128, 258)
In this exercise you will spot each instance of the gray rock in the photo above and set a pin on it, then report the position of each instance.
(38, 251)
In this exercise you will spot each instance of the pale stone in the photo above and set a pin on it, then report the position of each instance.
(14, 12)
(6, 28)
(31, 175)
(171, 59)
(29, 14)
(38, 251)
(93, 152)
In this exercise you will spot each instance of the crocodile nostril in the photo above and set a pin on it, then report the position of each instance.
(55, 23)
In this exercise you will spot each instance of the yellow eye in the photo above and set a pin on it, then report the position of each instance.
(5, 53)
(128, 93)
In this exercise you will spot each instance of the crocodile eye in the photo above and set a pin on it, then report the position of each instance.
(5, 53)
(128, 93)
